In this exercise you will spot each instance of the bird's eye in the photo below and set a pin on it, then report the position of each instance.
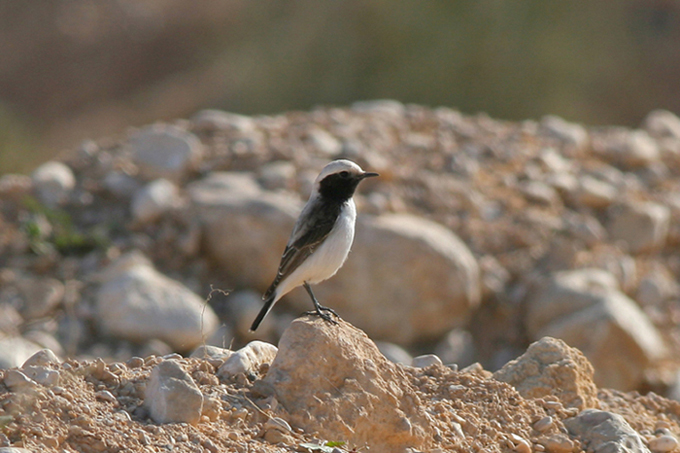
(344, 174)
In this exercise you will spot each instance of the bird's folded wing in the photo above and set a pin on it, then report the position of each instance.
(308, 236)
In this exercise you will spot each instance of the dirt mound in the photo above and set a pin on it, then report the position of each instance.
(345, 392)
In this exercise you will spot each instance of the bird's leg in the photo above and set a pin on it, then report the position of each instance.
(320, 309)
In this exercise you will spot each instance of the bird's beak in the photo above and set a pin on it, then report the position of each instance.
(368, 174)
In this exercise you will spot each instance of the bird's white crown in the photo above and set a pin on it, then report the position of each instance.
(338, 166)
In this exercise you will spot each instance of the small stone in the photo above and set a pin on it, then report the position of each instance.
(42, 375)
(538, 192)
(163, 151)
(278, 424)
(172, 395)
(153, 200)
(53, 182)
(569, 133)
(643, 225)
(604, 431)
(557, 443)
(274, 436)
(248, 359)
(107, 396)
(663, 444)
(662, 124)
(17, 381)
(544, 424)
(594, 193)
(521, 444)
(41, 358)
(423, 361)
(211, 352)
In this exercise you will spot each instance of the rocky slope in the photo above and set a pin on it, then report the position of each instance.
(480, 238)
(326, 389)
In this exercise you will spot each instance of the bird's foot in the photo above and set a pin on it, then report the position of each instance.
(322, 313)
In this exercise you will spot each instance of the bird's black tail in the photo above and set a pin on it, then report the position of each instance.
(268, 304)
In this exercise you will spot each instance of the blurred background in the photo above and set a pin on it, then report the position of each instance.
(81, 69)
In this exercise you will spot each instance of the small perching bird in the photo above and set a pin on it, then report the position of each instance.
(321, 239)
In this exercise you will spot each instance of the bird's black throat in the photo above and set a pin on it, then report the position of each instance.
(338, 188)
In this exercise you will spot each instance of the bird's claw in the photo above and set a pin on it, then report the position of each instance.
(325, 316)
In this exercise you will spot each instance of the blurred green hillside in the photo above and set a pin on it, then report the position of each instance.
(85, 69)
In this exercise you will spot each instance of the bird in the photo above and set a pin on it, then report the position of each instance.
(321, 239)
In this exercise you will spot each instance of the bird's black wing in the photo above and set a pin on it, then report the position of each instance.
(306, 238)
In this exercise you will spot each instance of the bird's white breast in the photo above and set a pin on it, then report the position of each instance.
(329, 257)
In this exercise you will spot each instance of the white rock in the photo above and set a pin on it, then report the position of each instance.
(377, 289)
(248, 359)
(137, 303)
(663, 444)
(605, 432)
(53, 182)
(279, 424)
(571, 134)
(41, 358)
(572, 305)
(42, 375)
(633, 149)
(163, 151)
(14, 351)
(211, 352)
(662, 124)
(643, 226)
(423, 361)
(172, 396)
(17, 381)
(153, 200)
(594, 193)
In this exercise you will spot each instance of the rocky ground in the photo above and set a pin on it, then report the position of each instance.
(479, 238)
(340, 395)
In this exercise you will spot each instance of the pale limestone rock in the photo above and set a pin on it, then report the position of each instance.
(550, 367)
(605, 432)
(172, 396)
(643, 226)
(248, 359)
(335, 373)
(53, 182)
(138, 303)
(572, 305)
(164, 151)
(153, 200)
